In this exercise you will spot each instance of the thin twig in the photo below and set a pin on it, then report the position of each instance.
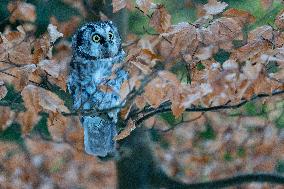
(182, 122)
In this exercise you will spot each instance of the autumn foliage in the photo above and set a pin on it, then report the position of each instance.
(172, 68)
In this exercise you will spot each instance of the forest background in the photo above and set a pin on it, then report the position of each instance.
(204, 100)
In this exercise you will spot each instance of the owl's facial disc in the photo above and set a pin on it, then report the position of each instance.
(98, 40)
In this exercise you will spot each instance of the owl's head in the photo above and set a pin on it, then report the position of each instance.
(97, 40)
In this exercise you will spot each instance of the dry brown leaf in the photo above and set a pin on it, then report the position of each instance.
(51, 102)
(23, 76)
(57, 71)
(22, 11)
(194, 93)
(125, 111)
(145, 5)
(243, 16)
(252, 71)
(12, 39)
(75, 134)
(57, 125)
(204, 53)
(264, 85)
(161, 19)
(177, 100)
(21, 54)
(183, 40)
(3, 90)
(165, 87)
(6, 117)
(31, 98)
(68, 27)
(28, 120)
(38, 99)
(125, 89)
(154, 92)
(144, 68)
(200, 12)
(126, 131)
(250, 50)
(42, 47)
(279, 20)
(140, 102)
(222, 30)
(149, 57)
(214, 7)
(127, 86)
(266, 4)
(13, 35)
(51, 67)
(169, 77)
(118, 5)
(261, 33)
(105, 88)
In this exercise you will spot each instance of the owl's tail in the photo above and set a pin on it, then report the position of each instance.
(98, 136)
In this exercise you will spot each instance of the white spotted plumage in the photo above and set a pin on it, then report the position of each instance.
(91, 67)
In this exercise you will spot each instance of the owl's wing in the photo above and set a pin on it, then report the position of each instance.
(74, 88)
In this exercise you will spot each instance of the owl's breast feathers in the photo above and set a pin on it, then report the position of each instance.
(88, 77)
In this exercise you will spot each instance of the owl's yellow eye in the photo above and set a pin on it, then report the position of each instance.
(96, 38)
(110, 35)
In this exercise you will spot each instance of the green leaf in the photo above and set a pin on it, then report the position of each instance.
(208, 134)
(280, 166)
(200, 66)
(227, 156)
(221, 56)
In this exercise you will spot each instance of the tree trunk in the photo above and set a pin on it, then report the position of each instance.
(135, 166)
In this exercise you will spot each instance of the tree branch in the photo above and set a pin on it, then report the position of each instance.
(149, 112)
(222, 183)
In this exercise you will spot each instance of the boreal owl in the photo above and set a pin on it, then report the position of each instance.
(95, 79)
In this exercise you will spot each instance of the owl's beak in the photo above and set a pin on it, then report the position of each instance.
(107, 53)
